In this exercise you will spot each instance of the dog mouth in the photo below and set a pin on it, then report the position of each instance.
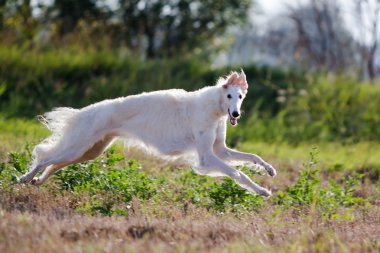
(233, 120)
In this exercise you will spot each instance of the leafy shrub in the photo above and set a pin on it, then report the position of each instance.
(218, 195)
(308, 192)
(11, 170)
(193, 188)
(229, 195)
(328, 109)
(107, 178)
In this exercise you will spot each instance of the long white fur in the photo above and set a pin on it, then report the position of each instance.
(169, 122)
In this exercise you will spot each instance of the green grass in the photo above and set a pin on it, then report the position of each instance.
(319, 187)
(333, 156)
(16, 134)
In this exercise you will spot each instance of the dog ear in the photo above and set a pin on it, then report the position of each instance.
(242, 76)
(232, 79)
(243, 81)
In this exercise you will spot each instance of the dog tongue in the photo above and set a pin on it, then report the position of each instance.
(233, 121)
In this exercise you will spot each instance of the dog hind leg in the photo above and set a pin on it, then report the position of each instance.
(97, 149)
(27, 177)
(49, 171)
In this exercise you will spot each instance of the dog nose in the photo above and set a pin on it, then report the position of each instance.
(235, 114)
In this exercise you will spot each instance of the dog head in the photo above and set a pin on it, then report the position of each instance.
(235, 88)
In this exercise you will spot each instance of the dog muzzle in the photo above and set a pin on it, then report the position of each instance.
(233, 120)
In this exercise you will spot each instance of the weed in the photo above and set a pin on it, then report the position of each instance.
(308, 192)
(229, 195)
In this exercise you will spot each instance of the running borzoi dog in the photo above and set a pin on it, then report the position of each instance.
(172, 122)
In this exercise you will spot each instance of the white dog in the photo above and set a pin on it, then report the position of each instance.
(173, 122)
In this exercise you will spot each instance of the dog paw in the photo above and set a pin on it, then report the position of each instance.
(25, 178)
(264, 192)
(269, 168)
(35, 181)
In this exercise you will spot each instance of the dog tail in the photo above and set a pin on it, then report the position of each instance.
(57, 121)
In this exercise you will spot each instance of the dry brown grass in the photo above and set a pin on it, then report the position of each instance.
(43, 220)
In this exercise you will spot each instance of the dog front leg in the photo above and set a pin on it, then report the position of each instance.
(210, 161)
(230, 154)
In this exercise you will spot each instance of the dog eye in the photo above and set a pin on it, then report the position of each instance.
(240, 96)
(229, 96)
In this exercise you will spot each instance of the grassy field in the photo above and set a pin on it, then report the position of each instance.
(326, 199)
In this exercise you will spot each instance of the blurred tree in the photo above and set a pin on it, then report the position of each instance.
(170, 27)
(16, 15)
(368, 18)
(322, 38)
(155, 27)
(311, 35)
(67, 13)
(2, 13)
(316, 35)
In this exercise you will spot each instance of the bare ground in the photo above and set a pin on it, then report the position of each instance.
(43, 220)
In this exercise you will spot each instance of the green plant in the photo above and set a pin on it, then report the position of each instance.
(111, 176)
(308, 192)
(326, 109)
(229, 195)
(11, 170)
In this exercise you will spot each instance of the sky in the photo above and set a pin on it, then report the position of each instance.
(274, 8)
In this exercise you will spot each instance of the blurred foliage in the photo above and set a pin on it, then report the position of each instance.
(326, 109)
(69, 13)
(149, 28)
(183, 25)
(34, 81)
(281, 105)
